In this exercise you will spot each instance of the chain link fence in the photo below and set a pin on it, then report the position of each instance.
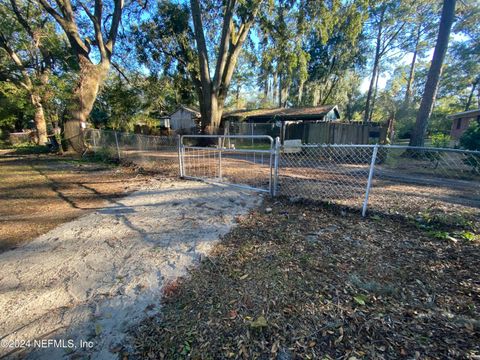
(153, 153)
(425, 181)
(390, 179)
(335, 173)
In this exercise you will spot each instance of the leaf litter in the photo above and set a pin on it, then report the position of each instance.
(304, 282)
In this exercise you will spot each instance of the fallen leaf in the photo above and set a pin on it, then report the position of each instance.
(259, 323)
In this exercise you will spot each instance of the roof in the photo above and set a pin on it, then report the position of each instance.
(186, 108)
(465, 114)
(286, 113)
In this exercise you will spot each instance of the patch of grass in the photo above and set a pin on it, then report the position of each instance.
(440, 224)
(103, 156)
(26, 149)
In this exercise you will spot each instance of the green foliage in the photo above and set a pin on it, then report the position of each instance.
(470, 139)
(440, 140)
(29, 148)
(15, 110)
(141, 100)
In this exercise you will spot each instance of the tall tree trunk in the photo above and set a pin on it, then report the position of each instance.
(470, 97)
(39, 119)
(237, 96)
(300, 92)
(91, 77)
(280, 92)
(211, 108)
(376, 62)
(371, 87)
(374, 97)
(411, 75)
(316, 95)
(330, 90)
(434, 73)
(275, 87)
(285, 92)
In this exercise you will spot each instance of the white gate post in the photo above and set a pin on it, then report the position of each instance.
(369, 182)
(116, 142)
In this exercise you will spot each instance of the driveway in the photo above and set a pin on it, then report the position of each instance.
(86, 282)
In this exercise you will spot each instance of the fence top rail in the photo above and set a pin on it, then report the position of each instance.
(172, 137)
(429, 149)
(230, 136)
(406, 147)
(225, 149)
(261, 137)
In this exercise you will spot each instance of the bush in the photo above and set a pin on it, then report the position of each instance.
(470, 139)
(440, 140)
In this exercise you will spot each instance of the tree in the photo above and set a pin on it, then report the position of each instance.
(14, 108)
(213, 91)
(422, 22)
(30, 44)
(306, 47)
(332, 58)
(461, 78)
(431, 86)
(103, 28)
(168, 38)
(387, 22)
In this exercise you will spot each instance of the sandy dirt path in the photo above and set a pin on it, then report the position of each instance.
(93, 278)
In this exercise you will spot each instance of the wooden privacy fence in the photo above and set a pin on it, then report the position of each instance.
(336, 133)
(314, 133)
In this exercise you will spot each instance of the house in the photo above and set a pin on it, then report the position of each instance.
(305, 114)
(184, 119)
(308, 125)
(461, 121)
(287, 123)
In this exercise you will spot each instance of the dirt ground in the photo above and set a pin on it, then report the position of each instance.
(92, 278)
(305, 281)
(40, 192)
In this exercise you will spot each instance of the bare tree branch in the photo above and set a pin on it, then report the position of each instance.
(116, 17)
(201, 44)
(96, 20)
(67, 22)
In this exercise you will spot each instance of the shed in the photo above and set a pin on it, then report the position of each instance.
(184, 118)
(324, 113)
(461, 122)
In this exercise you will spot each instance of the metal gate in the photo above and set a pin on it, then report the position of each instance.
(246, 161)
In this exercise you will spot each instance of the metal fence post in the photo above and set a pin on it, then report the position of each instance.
(369, 182)
(275, 166)
(116, 142)
(220, 145)
(180, 154)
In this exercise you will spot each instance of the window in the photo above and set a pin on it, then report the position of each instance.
(459, 123)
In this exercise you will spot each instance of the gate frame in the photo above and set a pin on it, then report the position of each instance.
(220, 148)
